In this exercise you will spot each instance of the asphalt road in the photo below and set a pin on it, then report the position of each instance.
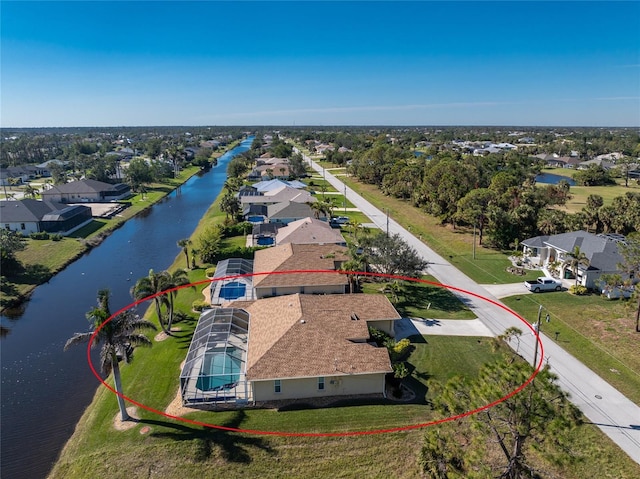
(603, 405)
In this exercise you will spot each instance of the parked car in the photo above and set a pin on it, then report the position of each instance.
(543, 283)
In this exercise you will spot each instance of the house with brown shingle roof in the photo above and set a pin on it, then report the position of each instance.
(277, 262)
(303, 346)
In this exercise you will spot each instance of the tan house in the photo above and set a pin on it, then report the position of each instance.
(277, 262)
(303, 346)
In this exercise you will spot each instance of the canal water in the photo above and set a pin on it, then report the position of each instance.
(44, 390)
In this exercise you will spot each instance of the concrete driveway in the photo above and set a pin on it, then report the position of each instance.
(504, 290)
(441, 327)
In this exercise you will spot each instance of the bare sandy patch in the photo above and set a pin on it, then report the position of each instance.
(121, 425)
(161, 336)
(175, 407)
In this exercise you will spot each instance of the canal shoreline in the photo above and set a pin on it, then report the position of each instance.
(89, 244)
(100, 391)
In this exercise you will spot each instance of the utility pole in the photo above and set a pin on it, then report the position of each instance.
(387, 222)
(537, 334)
(344, 201)
(474, 241)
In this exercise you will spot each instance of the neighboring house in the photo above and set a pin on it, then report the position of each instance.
(289, 211)
(309, 231)
(606, 165)
(601, 251)
(32, 216)
(279, 260)
(275, 184)
(14, 175)
(85, 191)
(285, 193)
(286, 348)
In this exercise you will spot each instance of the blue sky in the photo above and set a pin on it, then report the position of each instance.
(116, 63)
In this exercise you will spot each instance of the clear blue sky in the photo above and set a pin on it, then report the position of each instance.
(115, 63)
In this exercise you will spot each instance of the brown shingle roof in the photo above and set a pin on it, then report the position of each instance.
(298, 257)
(309, 335)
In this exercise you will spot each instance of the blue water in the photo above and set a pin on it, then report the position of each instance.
(551, 179)
(233, 290)
(45, 390)
(219, 371)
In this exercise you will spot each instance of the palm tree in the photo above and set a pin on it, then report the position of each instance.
(174, 280)
(575, 259)
(118, 337)
(152, 285)
(30, 191)
(184, 244)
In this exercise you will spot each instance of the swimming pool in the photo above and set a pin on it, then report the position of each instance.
(219, 371)
(232, 290)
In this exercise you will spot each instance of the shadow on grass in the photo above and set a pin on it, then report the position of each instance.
(234, 447)
(417, 297)
(34, 274)
(89, 229)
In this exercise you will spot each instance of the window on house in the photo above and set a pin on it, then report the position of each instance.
(22, 226)
(7, 227)
(277, 386)
(320, 384)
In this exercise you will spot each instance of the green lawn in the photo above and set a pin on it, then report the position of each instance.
(599, 332)
(579, 194)
(421, 300)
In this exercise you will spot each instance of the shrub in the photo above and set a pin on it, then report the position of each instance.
(400, 370)
(380, 337)
(210, 272)
(43, 235)
(578, 290)
(200, 305)
(402, 347)
(56, 237)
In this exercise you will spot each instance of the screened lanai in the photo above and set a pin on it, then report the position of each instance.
(214, 370)
(234, 288)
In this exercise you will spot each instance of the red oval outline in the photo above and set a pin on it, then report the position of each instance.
(320, 434)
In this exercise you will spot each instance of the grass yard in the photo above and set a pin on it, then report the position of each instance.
(599, 332)
(420, 300)
(579, 194)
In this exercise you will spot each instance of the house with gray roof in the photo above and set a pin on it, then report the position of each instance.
(601, 251)
(309, 231)
(86, 191)
(32, 216)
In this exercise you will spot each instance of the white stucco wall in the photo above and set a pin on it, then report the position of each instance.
(308, 387)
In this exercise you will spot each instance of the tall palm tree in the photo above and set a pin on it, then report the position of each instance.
(174, 280)
(117, 338)
(575, 259)
(152, 285)
(184, 244)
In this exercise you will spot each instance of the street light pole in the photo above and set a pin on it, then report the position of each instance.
(537, 334)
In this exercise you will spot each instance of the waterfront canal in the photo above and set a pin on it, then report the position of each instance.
(45, 390)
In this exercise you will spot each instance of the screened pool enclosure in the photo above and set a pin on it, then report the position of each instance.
(214, 370)
(232, 289)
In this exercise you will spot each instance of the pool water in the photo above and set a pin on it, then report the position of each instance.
(233, 290)
(219, 371)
